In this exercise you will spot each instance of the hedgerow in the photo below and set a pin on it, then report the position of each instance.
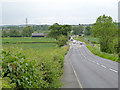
(45, 71)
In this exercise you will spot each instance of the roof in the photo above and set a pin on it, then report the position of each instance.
(38, 34)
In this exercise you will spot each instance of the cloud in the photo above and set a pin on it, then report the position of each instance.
(63, 11)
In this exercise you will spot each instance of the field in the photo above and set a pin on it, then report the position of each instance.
(44, 59)
(91, 39)
(27, 40)
(42, 44)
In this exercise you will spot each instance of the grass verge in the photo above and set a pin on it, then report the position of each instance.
(96, 49)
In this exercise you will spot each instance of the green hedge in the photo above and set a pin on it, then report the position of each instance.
(45, 71)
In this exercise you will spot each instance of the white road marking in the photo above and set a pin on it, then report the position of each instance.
(97, 63)
(113, 70)
(103, 66)
(93, 61)
(76, 76)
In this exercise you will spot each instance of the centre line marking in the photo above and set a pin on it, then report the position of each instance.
(103, 66)
(97, 63)
(113, 70)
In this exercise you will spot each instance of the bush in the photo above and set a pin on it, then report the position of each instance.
(62, 40)
(45, 71)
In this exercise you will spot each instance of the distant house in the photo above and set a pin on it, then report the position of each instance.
(38, 35)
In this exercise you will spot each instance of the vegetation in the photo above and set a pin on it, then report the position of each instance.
(36, 71)
(78, 30)
(106, 30)
(87, 30)
(32, 65)
(96, 49)
(62, 40)
(22, 31)
(27, 40)
(57, 30)
(43, 47)
(60, 33)
(27, 31)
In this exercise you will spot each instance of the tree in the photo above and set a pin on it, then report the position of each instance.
(62, 39)
(27, 31)
(78, 30)
(4, 33)
(57, 30)
(14, 33)
(106, 29)
(87, 30)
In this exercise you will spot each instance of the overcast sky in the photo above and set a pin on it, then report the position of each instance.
(60, 11)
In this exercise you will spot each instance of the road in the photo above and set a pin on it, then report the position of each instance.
(93, 71)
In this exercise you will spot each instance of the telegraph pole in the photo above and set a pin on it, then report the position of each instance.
(26, 21)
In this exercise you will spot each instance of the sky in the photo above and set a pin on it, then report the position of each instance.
(73, 12)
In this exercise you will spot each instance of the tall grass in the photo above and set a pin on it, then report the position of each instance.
(96, 50)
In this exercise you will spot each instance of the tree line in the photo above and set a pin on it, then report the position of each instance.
(25, 32)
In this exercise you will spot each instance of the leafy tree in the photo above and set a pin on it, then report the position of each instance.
(14, 33)
(57, 30)
(62, 39)
(4, 33)
(78, 30)
(27, 31)
(87, 30)
(106, 29)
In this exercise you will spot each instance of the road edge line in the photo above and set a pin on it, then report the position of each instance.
(80, 85)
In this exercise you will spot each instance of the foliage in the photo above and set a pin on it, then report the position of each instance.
(78, 30)
(62, 39)
(57, 30)
(106, 29)
(87, 30)
(36, 71)
(4, 33)
(40, 27)
(27, 31)
(96, 50)
(6, 83)
(14, 33)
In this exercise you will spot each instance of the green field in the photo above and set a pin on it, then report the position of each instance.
(13, 42)
(27, 40)
(91, 39)
(44, 60)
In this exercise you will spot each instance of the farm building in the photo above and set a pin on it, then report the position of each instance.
(38, 35)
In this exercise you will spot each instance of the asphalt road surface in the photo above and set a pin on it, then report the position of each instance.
(93, 71)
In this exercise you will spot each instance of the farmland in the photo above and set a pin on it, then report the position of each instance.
(27, 40)
(43, 59)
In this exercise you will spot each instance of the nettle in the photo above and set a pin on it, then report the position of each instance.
(20, 70)
(41, 72)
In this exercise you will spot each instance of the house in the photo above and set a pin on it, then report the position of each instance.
(38, 35)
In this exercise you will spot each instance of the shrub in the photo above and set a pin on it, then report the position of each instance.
(43, 71)
(62, 40)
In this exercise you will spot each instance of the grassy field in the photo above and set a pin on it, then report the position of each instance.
(35, 46)
(45, 59)
(42, 47)
(27, 40)
(91, 39)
